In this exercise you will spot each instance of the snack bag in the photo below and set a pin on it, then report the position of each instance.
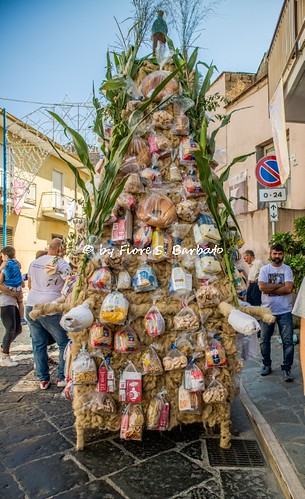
(100, 336)
(192, 186)
(106, 378)
(124, 280)
(142, 236)
(101, 280)
(208, 296)
(114, 309)
(84, 369)
(157, 210)
(154, 322)
(186, 319)
(151, 176)
(126, 341)
(215, 393)
(122, 229)
(162, 119)
(193, 377)
(215, 354)
(68, 360)
(126, 201)
(153, 80)
(161, 246)
(186, 151)
(207, 265)
(189, 402)
(134, 184)
(174, 173)
(174, 359)
(145, 279)
(157, 417)
(132, 422)
(188, 210)
(205, 230)
(138, 149)
(103, 404)
(130, 388)
(151, 364)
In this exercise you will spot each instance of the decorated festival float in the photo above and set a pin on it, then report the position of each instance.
(152, 312)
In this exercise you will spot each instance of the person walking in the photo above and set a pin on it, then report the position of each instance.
(10, 275)
(276, 282)
(10, 318)
(46, 279)
(254, 295)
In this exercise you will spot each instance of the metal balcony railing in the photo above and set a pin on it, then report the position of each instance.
(59, 206)
(285, 44)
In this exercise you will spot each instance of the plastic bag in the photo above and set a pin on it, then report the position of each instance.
(151, 176)
(205, 230)
(138, 148)
(100, 336)
(157, 210)
(186, 150)
(130, 387)
(122, 229)
(208, 264)
(215, 393)
(208, 296)
(174, 359)
(154, 323)
(215, 354)
(174, 173)
(84, 369)
(162, 119)
(243, 323)
(103, 404)
(181, 124)
(126, 201)
(126, 341)
(134, 184)
(106, 378)
(159, 144)
(192, 186)
(145, 279)
(151, 364)
(186, 319)
(193, 377)
(142, 236)
(101, 280)
(161, 246)
(110, 256)
(77, 319)
(68, 391)
(124, 280)
(153, 80)
(189, 402)
(132, 422)
(68, 360)
(114, 309)
(157, 417)
(188, 210)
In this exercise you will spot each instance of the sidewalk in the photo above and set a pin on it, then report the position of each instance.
(38, 459)
(276, 409)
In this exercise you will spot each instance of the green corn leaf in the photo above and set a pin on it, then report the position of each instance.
(192, 60)
(239, 159)
(98, 127)
(114, 84)
(109, 67)
(206, 82)
(196, 85)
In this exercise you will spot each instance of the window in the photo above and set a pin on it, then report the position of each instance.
(57, 189)
(238, 188)
(9, 236)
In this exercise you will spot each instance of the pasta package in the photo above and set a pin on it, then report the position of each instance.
(114, 309)
(132, 422)
(126, 341)
(100, 336)
(101, 280)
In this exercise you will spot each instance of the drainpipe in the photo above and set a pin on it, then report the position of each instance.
(4, 216)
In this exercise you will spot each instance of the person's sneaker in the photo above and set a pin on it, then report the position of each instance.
(61, 383)
(287, 376)
(8, 362)
(23, 322)
(44, 385)
(265, 370)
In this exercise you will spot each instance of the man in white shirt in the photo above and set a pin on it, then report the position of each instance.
(276, 282)
(46, 279)
(254, 295)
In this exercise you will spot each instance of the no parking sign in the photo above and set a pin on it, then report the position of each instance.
(267, 172)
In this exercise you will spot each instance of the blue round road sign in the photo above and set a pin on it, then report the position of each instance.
(267, 172)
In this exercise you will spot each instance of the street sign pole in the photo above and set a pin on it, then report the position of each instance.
(273, 215)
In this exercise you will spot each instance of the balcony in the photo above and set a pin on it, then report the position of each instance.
(286, 59)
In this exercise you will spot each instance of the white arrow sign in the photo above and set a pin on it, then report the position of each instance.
(273, 212)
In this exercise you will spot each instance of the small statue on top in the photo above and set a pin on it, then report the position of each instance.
(158, 31)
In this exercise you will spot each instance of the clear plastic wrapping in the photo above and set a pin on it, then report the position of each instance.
(145, 279)
(157, 210)
(114, 309)
(84, 369)
(174, 359)
(151, 363)
(157, 417)
(101, 280)
(132, 422)
(100, 336)
(153, 80)
(215, 393)
(208, 296)
(126, 341)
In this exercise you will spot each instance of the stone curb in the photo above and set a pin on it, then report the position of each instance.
(279, 462)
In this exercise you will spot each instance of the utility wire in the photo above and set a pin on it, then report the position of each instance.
(48, 103)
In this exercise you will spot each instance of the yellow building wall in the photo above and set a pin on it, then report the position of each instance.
(32, 231)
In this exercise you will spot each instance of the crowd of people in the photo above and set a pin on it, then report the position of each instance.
(269, 285)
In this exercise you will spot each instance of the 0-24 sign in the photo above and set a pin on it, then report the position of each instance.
(267, 195)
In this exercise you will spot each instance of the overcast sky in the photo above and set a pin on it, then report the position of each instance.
(53, 48)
